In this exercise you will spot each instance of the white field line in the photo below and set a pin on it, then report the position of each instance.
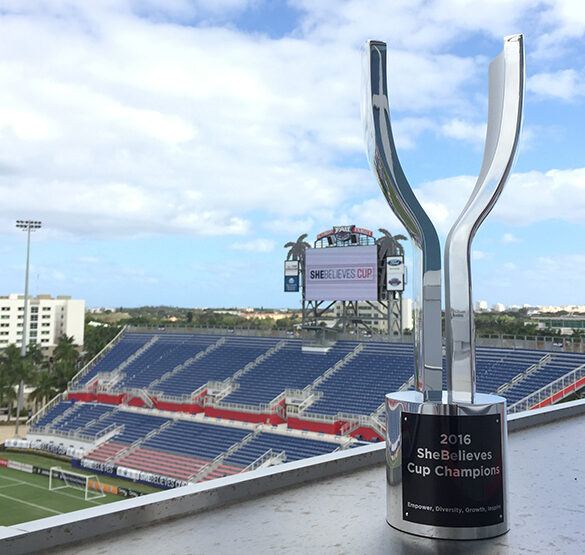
(20, 482)
(31, 504)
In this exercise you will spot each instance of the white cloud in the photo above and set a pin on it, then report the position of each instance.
(463, 130)
(443, 199)
(540, 196)
(255, 245)
(480, 255)
(116, 120)
(509, 238)
(289, 227)
(564, 84)
(527, 198)
(530, 281)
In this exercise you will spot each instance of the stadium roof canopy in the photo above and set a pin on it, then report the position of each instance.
(331, 504)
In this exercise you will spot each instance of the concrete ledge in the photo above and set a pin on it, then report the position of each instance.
(545, 415)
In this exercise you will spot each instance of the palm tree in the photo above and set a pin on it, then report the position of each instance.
(7, 393)
(35, 354)
(45, 388)
(13, 368)
(389, 245)
(62, 374)
(66, 351)
(297, 249)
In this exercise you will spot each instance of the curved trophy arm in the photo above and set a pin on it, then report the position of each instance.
(506, 91)
(395, 187)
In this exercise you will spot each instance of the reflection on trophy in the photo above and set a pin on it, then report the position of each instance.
(446, 450)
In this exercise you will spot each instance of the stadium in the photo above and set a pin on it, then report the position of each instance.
(162, 409)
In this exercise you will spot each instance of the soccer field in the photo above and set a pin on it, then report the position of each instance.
(25, 497)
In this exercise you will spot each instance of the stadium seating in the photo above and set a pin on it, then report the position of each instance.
(136, 425)
(80, 415)
(128, 345)
(558, 366)
(218, 365)
(359, 386)
(52, 415)
(168, 353)
(348, 381)
(289, 367)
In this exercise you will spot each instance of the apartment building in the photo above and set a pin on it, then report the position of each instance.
(48, 319)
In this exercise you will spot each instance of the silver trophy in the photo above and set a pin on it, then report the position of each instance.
(446, 450)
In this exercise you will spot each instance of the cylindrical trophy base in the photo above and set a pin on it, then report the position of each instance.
(446, 466)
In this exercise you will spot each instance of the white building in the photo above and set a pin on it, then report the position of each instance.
(481, 306)
(498, 307)
(48, 319)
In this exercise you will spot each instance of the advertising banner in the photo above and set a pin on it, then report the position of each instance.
(20, 466)
(291, 268)
(394, 273)
(342, 274)
(291, 276)
(291, 284)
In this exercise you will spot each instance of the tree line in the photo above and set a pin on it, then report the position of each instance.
(48, 375)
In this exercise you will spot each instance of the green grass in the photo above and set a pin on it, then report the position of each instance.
(47, 462)
(25, 497)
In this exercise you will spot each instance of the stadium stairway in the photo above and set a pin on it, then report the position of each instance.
(128, 349)
(215, 467)
(106, 452)
(182, 366)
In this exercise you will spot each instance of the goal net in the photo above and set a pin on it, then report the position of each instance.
(88, 485)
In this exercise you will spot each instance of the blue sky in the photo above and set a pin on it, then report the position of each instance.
(172, 147)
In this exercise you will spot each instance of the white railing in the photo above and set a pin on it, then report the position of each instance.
(358, 349)
(210, 467)
(113, 426)
(519, 377)
(189, 361)
(269, 455)
(95, 359)
(546, 392)
(546, 343)
(407, 385)
(141, 394)
(259, 359)
(43, 410)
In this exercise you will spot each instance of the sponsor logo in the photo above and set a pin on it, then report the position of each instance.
(362, 231)
(325, 234)
(394, 262)
(343, 235)
(291, 268)
(395, 282)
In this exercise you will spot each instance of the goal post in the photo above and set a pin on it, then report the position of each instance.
(88, 484)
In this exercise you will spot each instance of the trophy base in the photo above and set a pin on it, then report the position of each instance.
(446, 466)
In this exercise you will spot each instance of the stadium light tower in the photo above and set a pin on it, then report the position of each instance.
(28, 226)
